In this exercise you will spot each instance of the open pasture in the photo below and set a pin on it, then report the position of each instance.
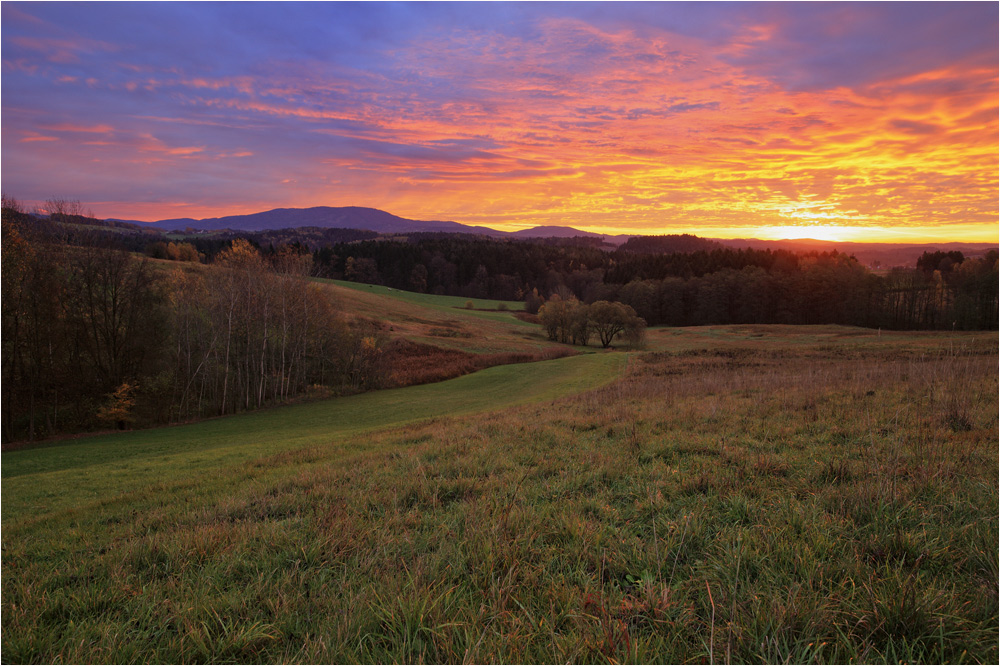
(442, 321)
(434, 338)
(807, 495)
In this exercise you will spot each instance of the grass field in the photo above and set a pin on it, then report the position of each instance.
(442, 321)
(736, 494)
(68, 474)
(482, 307)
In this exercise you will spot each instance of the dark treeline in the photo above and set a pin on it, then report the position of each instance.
(67, 225)
(302, 239)
(96, 336)
(463, 265)
(669, 244)
(708, 286)
(667, 280)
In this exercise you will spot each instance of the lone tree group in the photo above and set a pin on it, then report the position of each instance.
(571, 321)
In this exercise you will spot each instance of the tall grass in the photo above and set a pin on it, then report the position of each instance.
(716, 506)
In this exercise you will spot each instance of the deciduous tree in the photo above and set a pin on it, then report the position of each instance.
(610, 320)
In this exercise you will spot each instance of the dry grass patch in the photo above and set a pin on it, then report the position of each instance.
(414, 363)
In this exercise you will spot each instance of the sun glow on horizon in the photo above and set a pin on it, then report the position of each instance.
(821, 232)
(830, 233)
(871, 234)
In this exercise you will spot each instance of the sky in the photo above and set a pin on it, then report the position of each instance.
(839, 121)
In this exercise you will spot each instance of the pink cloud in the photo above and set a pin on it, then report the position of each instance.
(61, 51)
(87, 129)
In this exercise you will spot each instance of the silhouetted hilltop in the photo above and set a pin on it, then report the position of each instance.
(347, 217)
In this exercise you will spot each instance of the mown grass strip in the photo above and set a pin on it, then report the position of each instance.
(64, 473)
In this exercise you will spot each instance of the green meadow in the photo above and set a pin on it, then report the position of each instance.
(67, 474)
(729, 495)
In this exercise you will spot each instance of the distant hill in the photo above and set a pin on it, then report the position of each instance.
(357, 217)
(552, 232)
(324, 217)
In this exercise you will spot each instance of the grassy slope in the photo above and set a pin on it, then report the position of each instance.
(755, 494)
(443, 321)
(482, 307)
(69, 473)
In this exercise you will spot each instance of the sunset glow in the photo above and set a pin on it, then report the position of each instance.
(833, 121)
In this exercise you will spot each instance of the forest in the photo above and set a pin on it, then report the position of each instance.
(97, 333)
(685, 288)
(95, 336)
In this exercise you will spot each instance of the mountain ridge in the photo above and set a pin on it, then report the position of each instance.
(345, 217)
(356, 217)
(376, 220)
